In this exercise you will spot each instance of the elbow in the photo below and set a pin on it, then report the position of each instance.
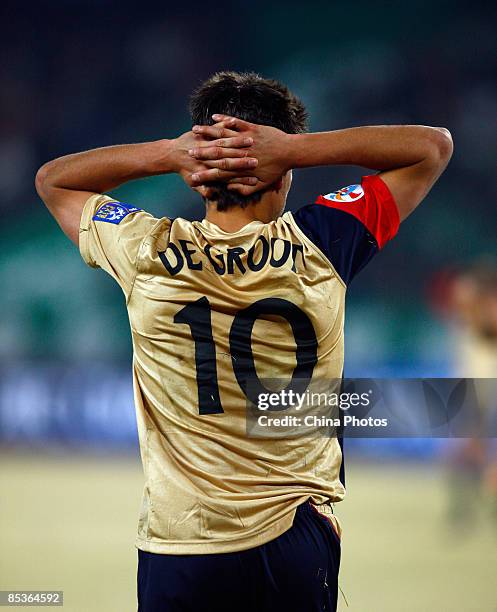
(43, 180)
(441, 145)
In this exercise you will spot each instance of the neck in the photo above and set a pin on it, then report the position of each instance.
(235, 218)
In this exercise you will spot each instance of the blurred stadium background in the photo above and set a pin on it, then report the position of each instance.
(81, 74)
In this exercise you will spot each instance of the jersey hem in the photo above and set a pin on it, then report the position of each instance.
(216, 546)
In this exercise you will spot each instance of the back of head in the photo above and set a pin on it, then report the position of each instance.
(252, 98)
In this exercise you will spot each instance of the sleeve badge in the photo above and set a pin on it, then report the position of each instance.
(346, 194)
(114, 212)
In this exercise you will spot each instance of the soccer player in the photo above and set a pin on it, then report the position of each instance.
(231, 522)
(472, 304)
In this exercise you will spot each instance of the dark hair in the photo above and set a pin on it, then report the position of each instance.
(252, 98)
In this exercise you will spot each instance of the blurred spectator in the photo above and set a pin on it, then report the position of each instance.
(469, 299)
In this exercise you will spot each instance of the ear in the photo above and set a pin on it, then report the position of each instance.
(284, 182)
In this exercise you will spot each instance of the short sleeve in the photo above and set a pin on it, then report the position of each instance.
(110, 236)
(352, 224)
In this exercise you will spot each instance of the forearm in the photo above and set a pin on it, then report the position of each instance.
(101, 170)
(375, 147)
(66, 184)
(411, 157)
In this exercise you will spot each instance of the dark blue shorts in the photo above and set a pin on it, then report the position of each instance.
(296, 572)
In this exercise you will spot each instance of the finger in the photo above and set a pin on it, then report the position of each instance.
(243, 189)
(221, 129)
(214, 153)
(222, 124)
(232, 163)
(211, 131)
(209, 192)
(232, 122)
(233, 142)
(213, 175)
(204, 191)
(217, 152)
(244, 180)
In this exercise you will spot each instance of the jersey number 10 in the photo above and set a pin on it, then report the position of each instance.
(197, 316)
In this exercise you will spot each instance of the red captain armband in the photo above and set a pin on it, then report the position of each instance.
(371, 203)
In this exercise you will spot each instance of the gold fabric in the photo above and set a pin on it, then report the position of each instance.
(208, 487)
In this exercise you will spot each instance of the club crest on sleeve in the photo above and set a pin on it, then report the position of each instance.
(346, 194)
(114, 212)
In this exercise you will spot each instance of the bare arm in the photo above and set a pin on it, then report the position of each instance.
(66, 183)
(410, 157)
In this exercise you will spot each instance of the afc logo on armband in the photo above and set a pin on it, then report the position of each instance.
(346, 194)
(114, 212)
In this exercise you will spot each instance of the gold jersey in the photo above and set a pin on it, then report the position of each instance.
(205, 306)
